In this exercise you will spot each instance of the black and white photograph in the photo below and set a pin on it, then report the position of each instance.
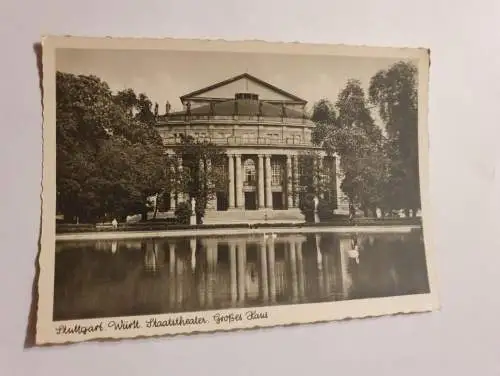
(199, 186)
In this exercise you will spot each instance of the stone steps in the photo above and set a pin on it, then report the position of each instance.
(254, 216)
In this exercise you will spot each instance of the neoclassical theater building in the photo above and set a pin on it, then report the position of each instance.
(264, 130)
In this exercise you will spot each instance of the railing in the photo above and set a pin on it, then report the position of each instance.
(175, 119)
(236, 141)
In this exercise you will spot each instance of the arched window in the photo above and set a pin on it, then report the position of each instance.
(249, 171)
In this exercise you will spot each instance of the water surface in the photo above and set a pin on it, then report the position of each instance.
(98, 279)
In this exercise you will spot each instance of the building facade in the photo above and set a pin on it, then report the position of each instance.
(266, 135)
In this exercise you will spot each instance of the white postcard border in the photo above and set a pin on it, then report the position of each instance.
(50, 332)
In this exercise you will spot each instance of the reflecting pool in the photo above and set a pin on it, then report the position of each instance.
(98, 279)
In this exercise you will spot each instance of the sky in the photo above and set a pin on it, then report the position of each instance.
(166, 75)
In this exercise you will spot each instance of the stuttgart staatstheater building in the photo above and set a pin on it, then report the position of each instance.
(264, 131)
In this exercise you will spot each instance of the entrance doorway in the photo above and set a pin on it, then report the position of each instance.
(250, 201)
(278, 201)
(222, 202)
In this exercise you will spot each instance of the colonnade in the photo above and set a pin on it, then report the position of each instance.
(264, 188)
(264, 181)
(235, 287)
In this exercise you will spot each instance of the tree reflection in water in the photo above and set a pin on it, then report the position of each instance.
(138, 277)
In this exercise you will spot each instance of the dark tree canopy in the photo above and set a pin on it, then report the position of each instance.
(108, 160)
(203, 171)
(394, 92)
(378, 170)
(324, 118)
(348, 129)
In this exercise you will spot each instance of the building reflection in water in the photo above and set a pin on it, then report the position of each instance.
(102, 279)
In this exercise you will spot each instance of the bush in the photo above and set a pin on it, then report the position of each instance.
(306, 206)
(325, 209)
(183, 213)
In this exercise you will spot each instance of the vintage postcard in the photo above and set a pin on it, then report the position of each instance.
(206, 185)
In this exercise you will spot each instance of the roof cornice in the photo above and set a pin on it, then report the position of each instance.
(238, 77)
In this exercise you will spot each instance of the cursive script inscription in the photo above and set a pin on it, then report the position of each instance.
(177, 321)
(124, 325)
(255, 315)
(228, 318)
(220, 318)
(79, 329)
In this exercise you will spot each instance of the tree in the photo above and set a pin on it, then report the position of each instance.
(324, 117)
(349, 130)
(315, 180)
(394, 92)
(202, 171)
(127, 99)
(108, 162)
(145, 114)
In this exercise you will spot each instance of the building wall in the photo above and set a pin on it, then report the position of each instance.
(248, 133)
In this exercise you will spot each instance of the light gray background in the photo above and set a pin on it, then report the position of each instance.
(462, 339)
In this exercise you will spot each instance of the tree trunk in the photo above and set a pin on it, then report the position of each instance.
(156, 205)
(156, 210)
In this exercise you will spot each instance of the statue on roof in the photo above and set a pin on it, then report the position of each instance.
(167, 108)
(156, 108)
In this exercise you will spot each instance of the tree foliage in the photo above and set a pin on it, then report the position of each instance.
(324, 117)
(378, 170)
(109, 161)
(202, 171)
(394, 92)
(348, 129)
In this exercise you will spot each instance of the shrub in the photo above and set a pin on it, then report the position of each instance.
(325, 209)
(183, 213)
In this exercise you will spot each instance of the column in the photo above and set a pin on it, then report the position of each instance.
(180, 195)
(319, 262)
(242, 259)
(172, 190)
(180, 282)
(239, 182)
(320, 177)
(272, 278)
(260, 176)
(289, 183)
(300, 264)
(231, 181)
(342, 200)
(269, 196)
(232, 272)
(293, 270)
(192, 246)
(296, 180)
(212, 202)
(263, 271)
(172, 269)
(172, 201)
(315, 175)
(326, 275)
(211, 255)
